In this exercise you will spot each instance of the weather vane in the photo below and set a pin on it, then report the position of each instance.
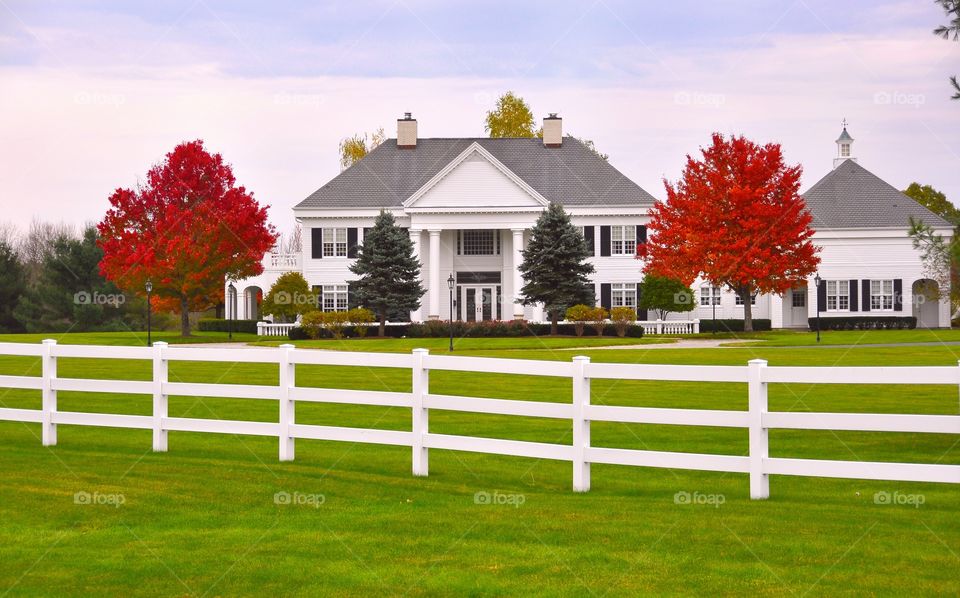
(844, 123)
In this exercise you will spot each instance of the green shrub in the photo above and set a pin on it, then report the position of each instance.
(733, 325)
(312, 323)
(864, 323)
(222, 325)
(360, 317)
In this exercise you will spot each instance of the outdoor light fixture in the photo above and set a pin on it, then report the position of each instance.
(232, 309)
(450, 283)
(149, 287)
(818, 281)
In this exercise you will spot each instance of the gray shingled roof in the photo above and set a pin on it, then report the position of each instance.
(571, 175)
(850, 196)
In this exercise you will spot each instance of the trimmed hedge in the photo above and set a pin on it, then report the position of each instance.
(222, 325)
(864, 323)
(759, 324)
(490, 329)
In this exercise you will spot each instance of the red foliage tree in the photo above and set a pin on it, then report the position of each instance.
(735, 219)
(184, 230)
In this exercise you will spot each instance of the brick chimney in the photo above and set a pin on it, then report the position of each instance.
(552, 130)
(407, 132)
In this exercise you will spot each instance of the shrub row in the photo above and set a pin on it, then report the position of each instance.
(864, 323)
(490, 329)
(759, 324)
(222, 325)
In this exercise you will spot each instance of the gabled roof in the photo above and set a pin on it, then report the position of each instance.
(850, 196)
(570, 175)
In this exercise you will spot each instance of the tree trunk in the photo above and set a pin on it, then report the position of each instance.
(184, 316)
(553, 323)
(382, 331)
(745, 296)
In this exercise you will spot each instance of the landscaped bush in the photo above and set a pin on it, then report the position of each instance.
(579, 314)
(864, 323)
(490, 329)
(733, 325)
(360, 317)
(622, 318)
(598, 319)
(222, 325)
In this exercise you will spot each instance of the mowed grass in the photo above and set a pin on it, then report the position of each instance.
(202, 519)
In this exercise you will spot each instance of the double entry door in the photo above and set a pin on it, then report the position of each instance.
(478, 303)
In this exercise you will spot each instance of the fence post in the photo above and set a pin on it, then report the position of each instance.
(659, 326)
(696, 326)
(160, 403)
(287, 404)
(581, 425)
(48, 364)
(759, 445)
(421, 386)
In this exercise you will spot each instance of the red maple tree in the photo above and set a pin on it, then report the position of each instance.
(185, 229)
(735, 219)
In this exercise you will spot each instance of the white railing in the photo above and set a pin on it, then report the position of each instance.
(757, 420)
(282, 261)
(659, 326)
(275, 329)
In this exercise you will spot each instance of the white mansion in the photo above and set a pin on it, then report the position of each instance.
(469, 205)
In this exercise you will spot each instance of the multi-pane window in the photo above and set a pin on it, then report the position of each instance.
(881, 295)
(739, 299)
(334, 242)
(799, 297)
(845, 150)
(623, 240)
(623, 294)
(334, 297)
(478, 242)
(708, 293)
(838, 295)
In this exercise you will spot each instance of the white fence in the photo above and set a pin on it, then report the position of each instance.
(649, 327)
(757, 420)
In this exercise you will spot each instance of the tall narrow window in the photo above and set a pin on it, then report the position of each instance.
(623, 240)
(334, 242)
(838, 295)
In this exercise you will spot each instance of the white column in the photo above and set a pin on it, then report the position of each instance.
(776, 308)
(433, 286)
(515, 266)
(417, 315)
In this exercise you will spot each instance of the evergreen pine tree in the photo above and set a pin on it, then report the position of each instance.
(12, 286)
(389, 273)
(555, 271)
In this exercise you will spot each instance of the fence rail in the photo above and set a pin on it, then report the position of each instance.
(757, 420)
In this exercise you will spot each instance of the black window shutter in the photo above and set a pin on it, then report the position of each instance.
(822, 296)
(366, 231)
(641, 233)
(605, 241)
(316, 243)
(605, 294)
(853, 295)
(352, 242)
(897, 294)
(865, 294)
(588, 236)
(641, 313)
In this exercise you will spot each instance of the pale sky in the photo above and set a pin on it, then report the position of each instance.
(92, 93)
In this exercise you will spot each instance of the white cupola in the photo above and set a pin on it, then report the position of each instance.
(844, 147)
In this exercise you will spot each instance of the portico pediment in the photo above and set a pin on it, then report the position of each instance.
(475, 180)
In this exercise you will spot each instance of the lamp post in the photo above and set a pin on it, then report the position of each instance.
(818, 281)
(450, 283)
(149, 287)
(232, 309)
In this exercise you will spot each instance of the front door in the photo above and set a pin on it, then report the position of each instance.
(798, 307)
(477, 303)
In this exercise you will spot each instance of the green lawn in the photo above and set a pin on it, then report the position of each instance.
(202, 520)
